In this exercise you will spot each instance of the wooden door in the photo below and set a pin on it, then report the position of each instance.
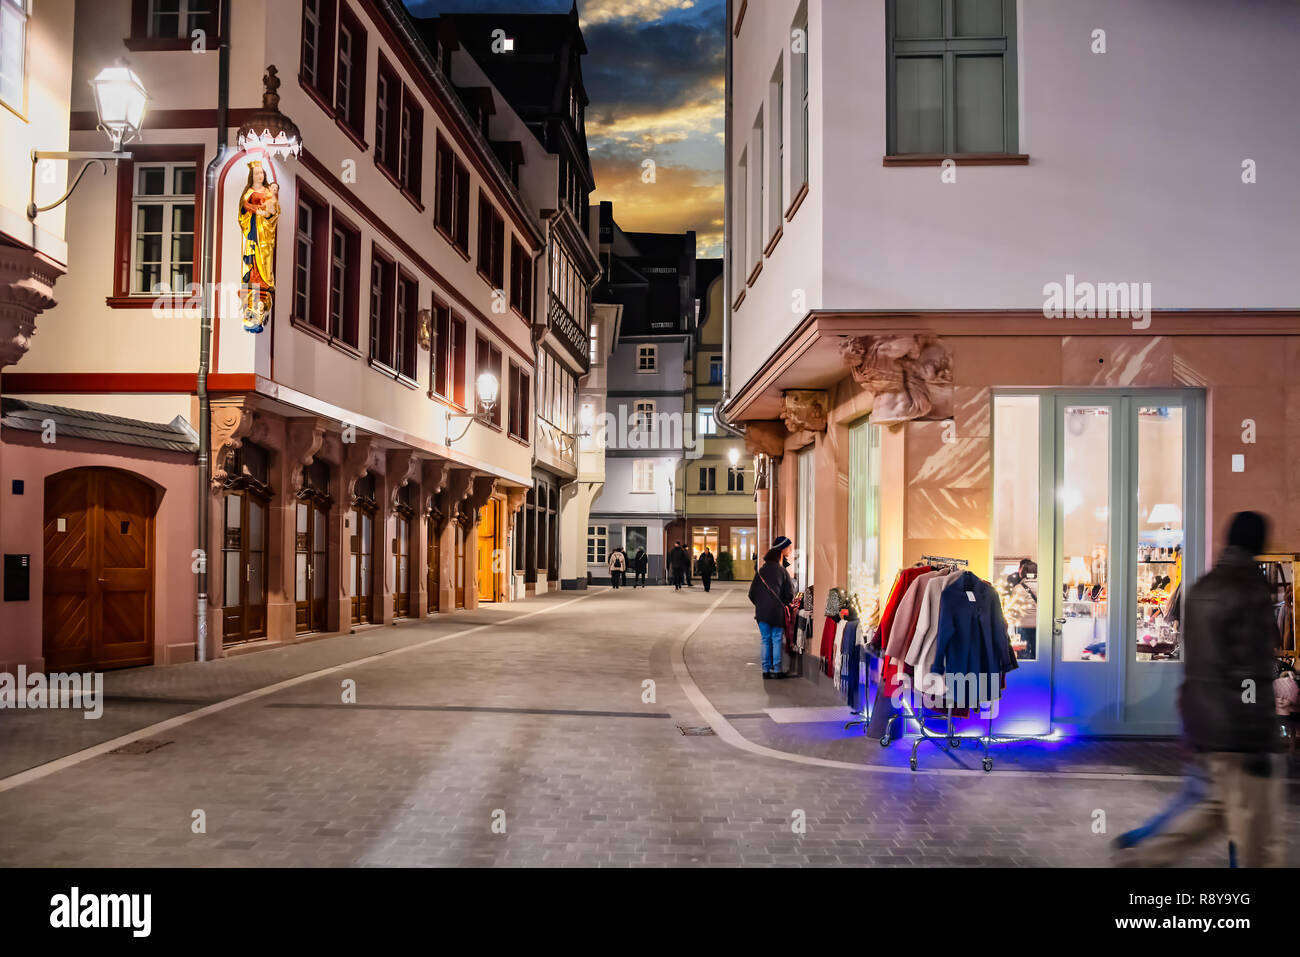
(311, 568)
(401, 566)
(435, 561)
(99, 570)
(361, 530)
(487, 551)
(243, 567)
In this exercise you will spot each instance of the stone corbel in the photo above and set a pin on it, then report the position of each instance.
(481, 491)
(231, 423)
(515, 498)
(26, 290)
(302, 442)
(908, 377)
(805, 410)
(402, 466)
(356, 463)
(432, 479)
(459, 486)
(765, 437)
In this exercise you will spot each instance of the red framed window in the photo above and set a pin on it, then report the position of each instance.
(311, 260)
(487, 358)
(452, 196)
(383, 295)
(316, 63)
(170, 24)
(388, 99)
(521, 279)
(350, 74)
(344, 281)
(406, 325)
(520, 401)
(491, 242)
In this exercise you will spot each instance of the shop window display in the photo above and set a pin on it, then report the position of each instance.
(1160, 533)
(1085, 528)
(1015, 517)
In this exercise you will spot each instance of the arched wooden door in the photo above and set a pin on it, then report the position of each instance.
(99, 570)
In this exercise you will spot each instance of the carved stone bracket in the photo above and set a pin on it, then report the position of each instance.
(805, 410)
(302, 443)
(909, 377)
(356, 463)
(459, 485)
(765, 437)
(483, 487)
(26, 290)
(231, 423)
(402, 466)
(515, 498)
(431, 482)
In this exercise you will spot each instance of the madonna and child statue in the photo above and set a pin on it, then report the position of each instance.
(259, 212)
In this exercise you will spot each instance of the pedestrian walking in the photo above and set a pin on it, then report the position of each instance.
(640, 564)
(678, 561)
(617, 567)
(771, 593)
(1235, 788)
(707, 566)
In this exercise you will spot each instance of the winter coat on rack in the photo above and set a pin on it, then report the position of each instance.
(972, 638)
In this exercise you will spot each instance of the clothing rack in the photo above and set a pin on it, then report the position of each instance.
(949, 740)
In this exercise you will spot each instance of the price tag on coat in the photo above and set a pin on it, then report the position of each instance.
(970, 596)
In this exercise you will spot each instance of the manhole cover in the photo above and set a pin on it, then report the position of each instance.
(695, 732)
(140, 747)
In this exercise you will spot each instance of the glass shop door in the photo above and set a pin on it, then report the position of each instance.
(1129, 506)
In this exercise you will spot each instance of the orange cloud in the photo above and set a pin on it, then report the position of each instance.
(680, 198)
(603, 11)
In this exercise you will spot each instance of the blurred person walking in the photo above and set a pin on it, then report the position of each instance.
(1236, 787)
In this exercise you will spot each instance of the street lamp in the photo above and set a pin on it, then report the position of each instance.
(120, 100)
(487, 389)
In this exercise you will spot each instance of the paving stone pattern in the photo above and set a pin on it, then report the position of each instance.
(539, 725)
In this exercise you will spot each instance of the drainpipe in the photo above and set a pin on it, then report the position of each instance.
(208, 297)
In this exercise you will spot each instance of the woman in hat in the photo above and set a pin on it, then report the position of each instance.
(771, 593)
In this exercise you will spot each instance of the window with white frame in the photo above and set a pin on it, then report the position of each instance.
(776, 152)
(708, 478)
(597, 544)
(302, 279)
(739, 267)
(643, 414)
(162, 220)
(179, 18)
(13, 51)
(594, 337)
(706, 422)
(347, 55)
(735, 480)
(756, 204)
(643, 475)
(311, 40)
(715, 370)
(647, 359)
(800, 52)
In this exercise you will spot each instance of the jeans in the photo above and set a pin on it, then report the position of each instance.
(706, 579)
(771, 637)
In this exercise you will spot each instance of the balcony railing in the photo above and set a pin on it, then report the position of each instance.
(569, 332)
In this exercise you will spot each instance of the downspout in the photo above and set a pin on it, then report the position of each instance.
(207, 286)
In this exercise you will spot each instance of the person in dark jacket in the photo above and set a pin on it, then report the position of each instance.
(1229, 640)
(640, 563)
(771, 592)
(707, 566)
(678, 561)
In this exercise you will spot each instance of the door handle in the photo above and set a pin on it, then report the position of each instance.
(1060, 621)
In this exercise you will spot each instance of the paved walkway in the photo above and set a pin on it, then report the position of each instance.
(526, 734)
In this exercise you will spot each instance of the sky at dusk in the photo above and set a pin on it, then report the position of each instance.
(654, 72)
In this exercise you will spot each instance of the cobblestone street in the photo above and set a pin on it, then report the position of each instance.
(536, 717)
